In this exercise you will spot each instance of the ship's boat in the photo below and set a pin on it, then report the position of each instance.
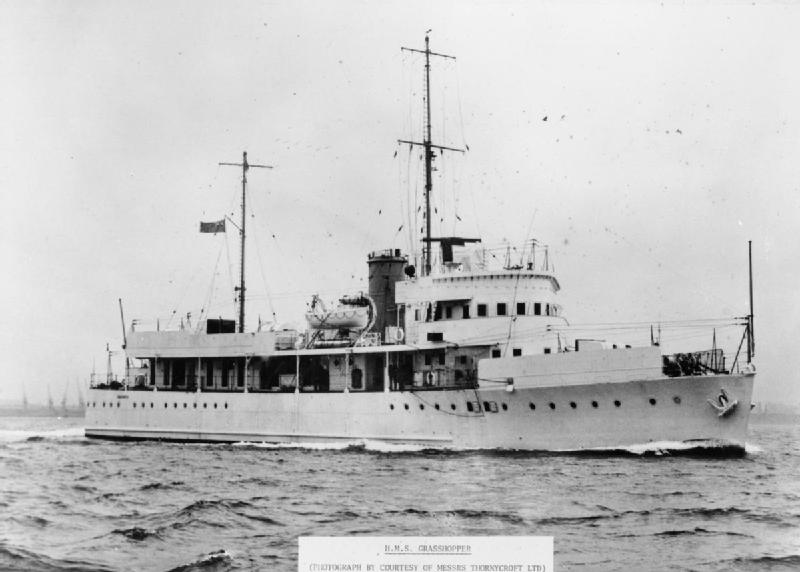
(454, 353)
(351, 314)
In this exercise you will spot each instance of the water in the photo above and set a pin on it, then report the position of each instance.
(69, 503)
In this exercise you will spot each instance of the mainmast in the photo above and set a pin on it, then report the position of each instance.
(428, 145)
(241, 289)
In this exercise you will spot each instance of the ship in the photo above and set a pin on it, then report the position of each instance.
(445, 351)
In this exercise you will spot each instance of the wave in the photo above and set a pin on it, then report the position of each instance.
(212, 560)
(709, 448)
(17, 558)
(137, 533)
(788, 562)
(349, 445)
(19, 435)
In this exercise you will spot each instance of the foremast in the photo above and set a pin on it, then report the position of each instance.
(428, 146)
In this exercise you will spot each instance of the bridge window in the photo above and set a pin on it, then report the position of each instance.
(516, 352)
(520, 308)
(547, 350)
(495, 353)
(481, 310)
(537, 309)
(501, 308)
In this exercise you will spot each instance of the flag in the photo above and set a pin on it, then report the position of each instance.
(214, 227)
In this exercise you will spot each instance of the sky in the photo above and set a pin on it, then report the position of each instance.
(670, 140)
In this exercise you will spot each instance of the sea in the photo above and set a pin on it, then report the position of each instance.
(71, 503)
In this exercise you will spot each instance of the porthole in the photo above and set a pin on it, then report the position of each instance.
(104, 404)
(617, 403)
(117, 403)
(165, 406)
(552, 405)
(594, 404)
(134, 405)
(184, 406)
(505, 406)
(405, 405)
(391, 406)
(573, 404)
(195, 405)
(226, 405)
(453, 406)
(174, 405)
(421, 407)
(143, 405)
(205, 405)
(677, 400)
(151, 405)
(652, 401)
(215, 406)
(532, 406)
(486, 406)
(436, 406)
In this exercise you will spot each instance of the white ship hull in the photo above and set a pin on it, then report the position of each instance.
(673, 410)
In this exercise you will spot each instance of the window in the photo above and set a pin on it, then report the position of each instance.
(465, 312)
(617, 403)
(427, 359)
(516, 352)
(652, 401)
(547, 350)
(481, 310)
(537, 309)
(501, 308)
(462, 359)
(573, 404)
(505, 406)
(441, 358)
(547, 307)
(552, 405)
(520, 308)
(469, 406)
(532, 406)
(448, 312)
(453, 406)
(594, 404)
(495, 353)
(416, 315)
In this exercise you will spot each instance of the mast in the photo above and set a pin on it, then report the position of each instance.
(751, 334)
(241, 289)
(428, 146)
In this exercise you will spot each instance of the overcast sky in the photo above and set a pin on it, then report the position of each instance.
(671, 140)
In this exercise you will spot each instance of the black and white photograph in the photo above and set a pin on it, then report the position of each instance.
(401, 286)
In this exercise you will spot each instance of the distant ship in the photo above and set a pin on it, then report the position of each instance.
(457, 354)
